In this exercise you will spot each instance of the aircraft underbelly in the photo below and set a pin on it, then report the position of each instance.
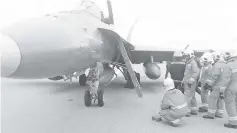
(50, 47)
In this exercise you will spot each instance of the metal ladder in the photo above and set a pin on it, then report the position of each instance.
(129, 68)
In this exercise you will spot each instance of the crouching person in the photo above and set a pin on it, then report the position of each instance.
(173, 106)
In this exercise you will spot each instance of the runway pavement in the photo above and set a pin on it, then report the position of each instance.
(44, 106)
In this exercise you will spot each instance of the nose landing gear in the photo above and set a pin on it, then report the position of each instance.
(89, 97)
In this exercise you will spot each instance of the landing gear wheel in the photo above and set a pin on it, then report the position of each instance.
(87, 98)
(101, 98)
(82, 80)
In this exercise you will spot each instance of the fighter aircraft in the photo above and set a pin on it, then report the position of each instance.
(71, 41)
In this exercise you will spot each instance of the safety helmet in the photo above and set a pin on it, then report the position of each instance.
(189, 52)
(168, 84)
(207, 58)
(217, 56)
(204, 61)
(227, 55)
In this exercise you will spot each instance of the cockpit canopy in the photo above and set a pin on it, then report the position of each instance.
(90, 7)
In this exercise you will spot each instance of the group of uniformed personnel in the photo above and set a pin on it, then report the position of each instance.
(215, 72)
(217, 78)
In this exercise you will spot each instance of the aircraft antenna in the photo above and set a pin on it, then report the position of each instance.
(131, 30)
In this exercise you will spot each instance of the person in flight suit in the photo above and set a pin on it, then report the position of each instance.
(204, 74)
(191, 75)
(216, 83)
(173, 106)
(230, 93)
(176, 69)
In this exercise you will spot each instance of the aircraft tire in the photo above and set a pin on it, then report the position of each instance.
(101, 98)
(82, 80)
(87, 98)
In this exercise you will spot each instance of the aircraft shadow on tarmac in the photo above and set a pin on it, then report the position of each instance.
(66, 86)
(52, 86)
(147, 86)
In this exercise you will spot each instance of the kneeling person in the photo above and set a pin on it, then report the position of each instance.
(173, 106)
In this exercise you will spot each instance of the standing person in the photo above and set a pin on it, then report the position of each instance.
(200, 64)
(190, 81)
(216, 83)
(173, 106)
(198, 60)
(205, 72)
(176, 69)
(230, 93)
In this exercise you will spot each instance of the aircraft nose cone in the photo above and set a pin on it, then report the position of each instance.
(10, 55)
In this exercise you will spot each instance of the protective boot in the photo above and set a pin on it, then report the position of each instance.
(188, 114)
(198, 90)
(176, 123)
(203, 109)
(156, 118)
(228, 125)
(208, 117)
(219, 115)
(194, 112)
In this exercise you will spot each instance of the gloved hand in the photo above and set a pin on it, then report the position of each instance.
(181, 84)
(189, 85)
(198, 90)
(221, 95)
(207, 87)
(199, 84)
(163, 107)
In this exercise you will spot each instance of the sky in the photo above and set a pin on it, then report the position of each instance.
(202, 24)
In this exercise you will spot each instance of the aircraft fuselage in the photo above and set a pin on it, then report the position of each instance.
(56, 44)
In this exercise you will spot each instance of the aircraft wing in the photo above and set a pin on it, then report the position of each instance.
(141, 56)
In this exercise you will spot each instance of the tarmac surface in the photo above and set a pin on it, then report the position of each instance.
(44, 106)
